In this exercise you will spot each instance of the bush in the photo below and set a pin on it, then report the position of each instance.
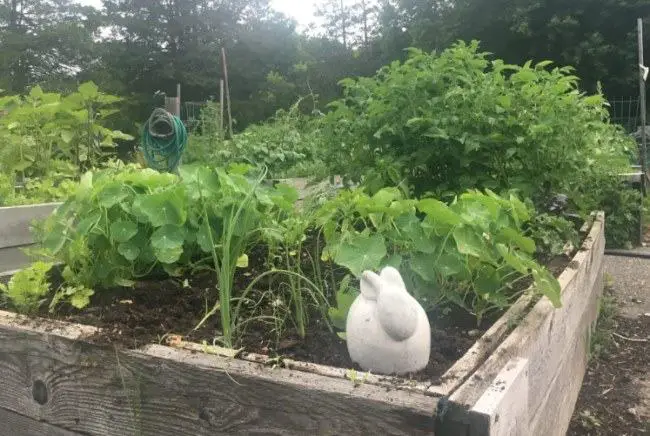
(458, 120)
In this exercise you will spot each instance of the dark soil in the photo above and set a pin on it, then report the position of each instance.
(154, 309)
(611, 401)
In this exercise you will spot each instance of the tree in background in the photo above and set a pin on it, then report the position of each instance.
(43, 41)
(147, 46)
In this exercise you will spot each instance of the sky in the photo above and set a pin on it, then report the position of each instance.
(300, 10)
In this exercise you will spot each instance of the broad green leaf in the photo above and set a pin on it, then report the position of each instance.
(361, 252)
(167, 243)
(424, 265)
(88, 222)
(111, 194)
(514, 237)
(438, 211)
(129, 250)
(394, 260)
(469, 242)
(203, 238)
(162, 208)
(122, 231)
(55, 239)
(451, 264)
(548, 285)
(512, 259)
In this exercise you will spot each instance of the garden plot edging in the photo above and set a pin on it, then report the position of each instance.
(15, 232)
(52, 378)
(15, 222)
(530, 384)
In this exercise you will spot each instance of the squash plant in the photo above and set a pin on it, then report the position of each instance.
(471, 252)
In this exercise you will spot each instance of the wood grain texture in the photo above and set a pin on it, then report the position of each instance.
(96, 390)
(502, 410)
(16, 220)
(12, 259)
(481, 350)
(554, 414)
(547, 337)
(13, 424)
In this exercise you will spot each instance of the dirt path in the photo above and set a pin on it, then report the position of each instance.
(615, 396)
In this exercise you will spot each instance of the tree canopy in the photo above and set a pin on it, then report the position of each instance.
(134, 48)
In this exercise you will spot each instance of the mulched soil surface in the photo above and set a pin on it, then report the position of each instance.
(611, 401)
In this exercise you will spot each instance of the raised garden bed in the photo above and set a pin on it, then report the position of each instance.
(523, 373)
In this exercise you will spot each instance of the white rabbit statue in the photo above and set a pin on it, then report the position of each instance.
(387, 330)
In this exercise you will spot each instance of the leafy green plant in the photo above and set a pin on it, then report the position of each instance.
(286, 145)
(551, 235)
(444, 123)
(472, 252)
(49, 138)
(344, 298)
(29, 287)
(238, 225)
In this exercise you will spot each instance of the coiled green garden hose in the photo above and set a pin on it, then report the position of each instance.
(163, 141)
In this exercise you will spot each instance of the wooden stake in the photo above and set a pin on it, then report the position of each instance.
(178, 100)
(221, 109)
(225, 76)
(642, 101)
(642, 148)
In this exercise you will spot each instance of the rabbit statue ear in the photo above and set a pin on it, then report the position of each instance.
(370, 284)
(392, 277)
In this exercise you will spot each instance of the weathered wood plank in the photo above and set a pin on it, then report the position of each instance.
(16, 220)
(543, 324)
(13, 424)
(480, 351)
(554, 414)
(502, 410)
(545, 337)
(12, 259)
(164, 391)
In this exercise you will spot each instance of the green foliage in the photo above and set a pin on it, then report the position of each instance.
(458, 120)
(29, 287)
(471, 253)
(289, 145)
(445, 123)
(49, 139)
(338, 314)
(125, 223)
(551, 235)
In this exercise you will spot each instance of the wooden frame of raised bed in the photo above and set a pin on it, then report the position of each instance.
(521, 377)
(15, 231)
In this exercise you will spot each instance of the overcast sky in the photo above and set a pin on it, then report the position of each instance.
(300, 10)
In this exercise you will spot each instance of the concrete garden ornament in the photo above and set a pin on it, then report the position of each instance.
(387, 330)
